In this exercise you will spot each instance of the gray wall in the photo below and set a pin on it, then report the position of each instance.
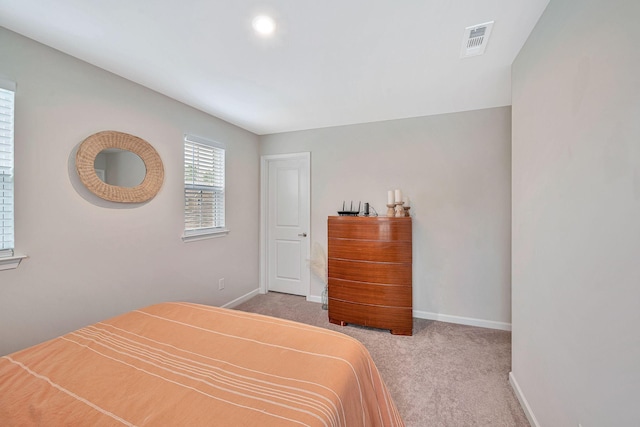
(456, 170)
(576, 215)
(86, 261)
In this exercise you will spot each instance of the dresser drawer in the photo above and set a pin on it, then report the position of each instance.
(370, 250)
(371, 272)
(392, 229)
(398, 320)
(372, 294)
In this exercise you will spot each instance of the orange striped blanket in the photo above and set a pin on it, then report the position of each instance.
(194, 365)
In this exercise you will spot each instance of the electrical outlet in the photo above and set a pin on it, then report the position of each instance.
(221, 284)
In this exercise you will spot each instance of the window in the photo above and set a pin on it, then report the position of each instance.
(7, 92)
(204, 204)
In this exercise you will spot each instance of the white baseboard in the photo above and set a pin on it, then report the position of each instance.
(314, 298)
(470, 321)
(236, 302)
(523, 401)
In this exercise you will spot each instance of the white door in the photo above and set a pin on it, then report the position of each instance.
(285, 207)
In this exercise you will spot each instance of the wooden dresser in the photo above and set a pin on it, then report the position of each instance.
(370, 272)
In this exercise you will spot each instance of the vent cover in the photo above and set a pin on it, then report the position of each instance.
(475, 39)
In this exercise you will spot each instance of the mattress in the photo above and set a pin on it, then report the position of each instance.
(188, 364)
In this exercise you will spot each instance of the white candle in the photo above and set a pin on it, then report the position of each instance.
(389, 197)
(398, 196)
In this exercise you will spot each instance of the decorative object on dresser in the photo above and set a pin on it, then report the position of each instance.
(399, 209)
(370, 272)
(390, 211)
(406, 206)
(396, 205)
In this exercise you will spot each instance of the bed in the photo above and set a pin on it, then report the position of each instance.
(189, 364)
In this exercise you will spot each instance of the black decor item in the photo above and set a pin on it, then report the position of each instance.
(351, 211)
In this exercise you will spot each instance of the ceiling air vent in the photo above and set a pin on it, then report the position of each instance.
(475, 39)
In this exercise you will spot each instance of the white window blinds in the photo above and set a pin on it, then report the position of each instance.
(6, 169)
(204, 170)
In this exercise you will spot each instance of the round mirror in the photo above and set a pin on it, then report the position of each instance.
(141, 183)
(123, 168)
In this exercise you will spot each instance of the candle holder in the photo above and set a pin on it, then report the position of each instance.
(399, 209)
(390, 211)
(406, 210)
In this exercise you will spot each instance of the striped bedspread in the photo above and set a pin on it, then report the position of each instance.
(194, 365)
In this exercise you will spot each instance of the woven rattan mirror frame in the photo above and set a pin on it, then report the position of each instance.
(93, 145)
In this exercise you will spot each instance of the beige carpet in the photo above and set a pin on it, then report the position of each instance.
(444, 375)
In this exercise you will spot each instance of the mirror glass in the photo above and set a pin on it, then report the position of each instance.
(119, 167)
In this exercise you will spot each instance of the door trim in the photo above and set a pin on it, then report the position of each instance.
(264, 217)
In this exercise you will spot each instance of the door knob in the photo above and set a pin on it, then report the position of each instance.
(302, 234)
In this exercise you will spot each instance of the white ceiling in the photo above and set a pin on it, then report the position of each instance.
(331, 62)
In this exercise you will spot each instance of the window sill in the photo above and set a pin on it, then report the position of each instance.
(192, 237)
(11, 262)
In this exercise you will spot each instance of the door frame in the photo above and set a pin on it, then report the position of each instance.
(264, 216)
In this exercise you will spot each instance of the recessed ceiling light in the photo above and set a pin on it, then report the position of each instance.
(264, 25)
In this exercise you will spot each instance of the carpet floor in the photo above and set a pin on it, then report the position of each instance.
(444, 375)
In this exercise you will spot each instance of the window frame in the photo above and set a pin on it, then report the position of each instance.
(199, 233)
(9, 259)
(7, 194)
